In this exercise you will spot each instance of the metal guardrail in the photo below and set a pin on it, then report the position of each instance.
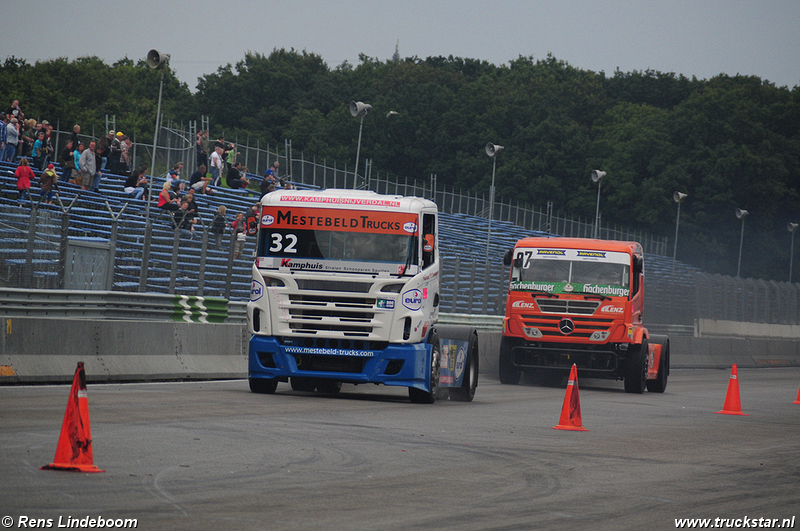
(115, 305)
(118, 305)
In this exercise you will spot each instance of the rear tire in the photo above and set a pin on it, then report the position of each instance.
(506, 371)
(419, 396)
(264, 386)
(466, 392)
(659, 385)
(636, 368)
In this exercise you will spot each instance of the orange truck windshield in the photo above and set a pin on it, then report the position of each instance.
(571, 271)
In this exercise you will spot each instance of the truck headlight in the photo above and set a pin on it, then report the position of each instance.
(598, 336)
(532, 332)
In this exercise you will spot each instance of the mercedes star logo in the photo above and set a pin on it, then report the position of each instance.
(566, 326)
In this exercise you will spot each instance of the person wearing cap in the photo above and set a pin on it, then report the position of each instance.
(115, 152)
(12, 140)
(48, 181)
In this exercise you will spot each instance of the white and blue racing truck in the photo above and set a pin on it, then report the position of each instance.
(346, 288)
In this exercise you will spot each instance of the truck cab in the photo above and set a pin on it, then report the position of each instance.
(345, 290)
(579, 301)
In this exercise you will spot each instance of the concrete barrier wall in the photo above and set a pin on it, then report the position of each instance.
(47, 350)
(43, 350)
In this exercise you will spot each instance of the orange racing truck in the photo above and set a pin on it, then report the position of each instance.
(580, 301)
(346, 289)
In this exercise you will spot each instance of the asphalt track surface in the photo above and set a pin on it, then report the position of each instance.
(213, 455)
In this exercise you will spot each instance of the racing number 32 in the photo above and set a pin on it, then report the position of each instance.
(283, 243)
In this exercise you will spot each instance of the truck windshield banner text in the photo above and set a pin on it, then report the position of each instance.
(302, 218)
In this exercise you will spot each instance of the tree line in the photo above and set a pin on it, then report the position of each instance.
(728, 142)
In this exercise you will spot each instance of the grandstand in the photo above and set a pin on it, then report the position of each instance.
(470, 283)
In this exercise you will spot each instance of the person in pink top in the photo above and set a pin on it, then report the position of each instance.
(24, 175)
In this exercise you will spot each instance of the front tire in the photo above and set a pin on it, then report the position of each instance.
(506, 371)
(264, 386)
(636, 368)
(329, 387)
(307, 385)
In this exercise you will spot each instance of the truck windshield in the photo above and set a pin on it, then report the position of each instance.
(337, 245)
(342, 240)
(570, 271)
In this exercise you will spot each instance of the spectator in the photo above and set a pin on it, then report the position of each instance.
(251, 219)
(199, 182)
(3, 135)
(98, 175)
(15, 112)
(115, 152)
(216, 165)
(88, 166)
(231, 154)
(28, 136)
(269, 188)
(76, 172)
(136, 185)
(48, 180)
(201, 147)
(174, 177)
(24, 175)
(271, 175)
(235, 179)
(125, 146)
(192, 203)
(219, 224)
(166, 201)
(67, 160)
(238, 229)
(103, 148)
(39, 150)
(185, 220)
(12, 141)
(76, 129)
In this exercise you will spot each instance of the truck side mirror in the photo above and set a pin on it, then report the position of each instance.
(507, 257)
(638, 265)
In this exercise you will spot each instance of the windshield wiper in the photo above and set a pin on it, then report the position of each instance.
(595, 296)
(542, 292)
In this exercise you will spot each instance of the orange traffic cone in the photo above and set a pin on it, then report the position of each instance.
(798, 397)
(732, 404)
(571, 411)
(74, 450)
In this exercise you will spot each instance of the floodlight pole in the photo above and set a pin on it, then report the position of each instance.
(491, 208)
(492, 150)
(792, 227)
(740, 214)
(157, 61)
(678, 197)
(358, 151)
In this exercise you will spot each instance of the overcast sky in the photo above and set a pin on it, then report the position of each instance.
(699, 38)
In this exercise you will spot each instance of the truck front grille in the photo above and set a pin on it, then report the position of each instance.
(567, 306)
(352, 316)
